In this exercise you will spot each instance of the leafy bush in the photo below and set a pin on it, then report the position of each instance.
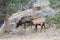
(12, 6)
(55, 3)
(54, 19)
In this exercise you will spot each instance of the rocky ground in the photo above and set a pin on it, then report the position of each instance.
(50, 33)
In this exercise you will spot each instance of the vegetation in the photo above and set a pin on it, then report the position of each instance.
(10, 7)
(54, 19)
(55, 3)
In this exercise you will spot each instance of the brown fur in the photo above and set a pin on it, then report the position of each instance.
(39, 21)
(23, 21)
(33, 21)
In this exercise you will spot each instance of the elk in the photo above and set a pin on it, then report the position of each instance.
(38, 21)
(26, 19)
(33, 21)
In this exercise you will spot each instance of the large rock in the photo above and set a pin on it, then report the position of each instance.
(45, 11)
(41, 3)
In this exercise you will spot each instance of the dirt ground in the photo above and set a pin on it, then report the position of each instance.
(50, 33)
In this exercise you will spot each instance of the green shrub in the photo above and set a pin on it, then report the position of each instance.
(54, 19)
(55, 3)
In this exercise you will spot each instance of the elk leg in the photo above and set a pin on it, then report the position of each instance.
(44, 25)
(36, 27)
(24, 25)
(41, 27)
(32, 25)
